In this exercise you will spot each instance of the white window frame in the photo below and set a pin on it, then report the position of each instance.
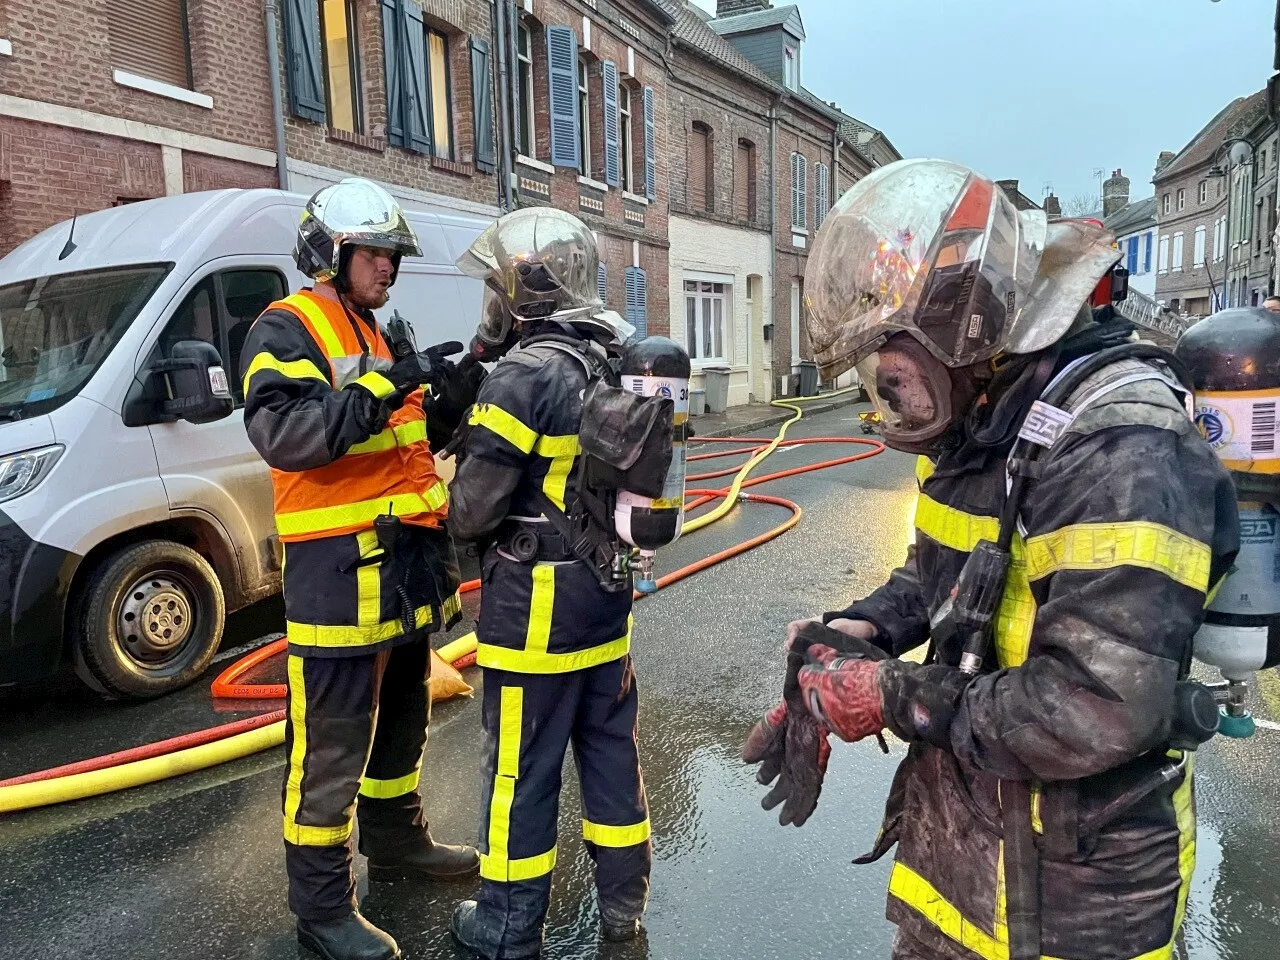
(524, 77)
(1182, 198)
(1179, 251)
(1163, 262)
(705, 309)
(1167, 203)
(584, 117)
(1203, 195)
(1198, 247)
(791, 67)
(626, 146)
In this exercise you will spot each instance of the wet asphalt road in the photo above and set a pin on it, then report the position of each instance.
(193, 867)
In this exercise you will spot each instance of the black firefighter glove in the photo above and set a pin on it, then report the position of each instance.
(408, 374)
(454, 390)
(789, 743)
(920, 701)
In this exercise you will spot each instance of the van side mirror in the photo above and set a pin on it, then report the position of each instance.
(191, 384)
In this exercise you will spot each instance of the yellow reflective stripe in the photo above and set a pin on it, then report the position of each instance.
(415, 431)
(376, 384)
(293, 369)
(510, 871)
(368, 581)
(541, 604)
(508, 427)
(1133, 543)
(603, 835)
(1036, 823)
(452, 606)
(524, 661)
(924, 469)
(328, 338)
(1185, 814)
(390, 789)
(919, 894)
(565, 446)
(495, 863)
(357, 514)
(954, 528)
(1016, 614)
(294, 832)
(333, 636)
(562, 451)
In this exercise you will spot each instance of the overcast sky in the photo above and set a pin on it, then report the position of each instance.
(1045, 91)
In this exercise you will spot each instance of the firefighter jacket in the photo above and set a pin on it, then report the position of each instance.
(547, 615)
(1131, 519)
(343, 450)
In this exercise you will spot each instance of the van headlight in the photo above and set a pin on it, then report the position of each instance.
(22, 472)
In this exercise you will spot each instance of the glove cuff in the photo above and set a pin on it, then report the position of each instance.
(920, 702)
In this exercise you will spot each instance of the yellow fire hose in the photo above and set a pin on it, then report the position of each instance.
(25, 796)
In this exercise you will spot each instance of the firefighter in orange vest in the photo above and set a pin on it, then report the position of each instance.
(369, 569)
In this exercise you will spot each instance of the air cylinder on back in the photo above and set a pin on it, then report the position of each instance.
(656, 366)
(1234, 359)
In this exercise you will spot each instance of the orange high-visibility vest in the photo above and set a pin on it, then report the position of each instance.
(393, 471)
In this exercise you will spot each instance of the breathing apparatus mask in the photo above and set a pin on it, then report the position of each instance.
(923, 274)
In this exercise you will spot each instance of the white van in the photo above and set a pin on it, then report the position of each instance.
(127, 532)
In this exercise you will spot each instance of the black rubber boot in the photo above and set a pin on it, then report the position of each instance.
(619, 931)
(466, 929)
(350, 938)
(423, 860)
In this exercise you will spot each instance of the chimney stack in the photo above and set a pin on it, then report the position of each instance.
(731, 8)
(1053, 207)
(1165, 158)
(1115, 194)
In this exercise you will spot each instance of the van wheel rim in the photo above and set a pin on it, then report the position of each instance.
(157, 617)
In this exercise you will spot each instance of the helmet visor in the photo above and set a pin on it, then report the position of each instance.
(922, 247)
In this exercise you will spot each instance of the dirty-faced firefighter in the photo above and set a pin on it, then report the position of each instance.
(554, 627)
(1045, 804)
(369, 569)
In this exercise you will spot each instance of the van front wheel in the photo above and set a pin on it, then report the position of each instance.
(149, 620)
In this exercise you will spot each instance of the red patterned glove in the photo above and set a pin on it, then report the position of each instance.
(842, 694)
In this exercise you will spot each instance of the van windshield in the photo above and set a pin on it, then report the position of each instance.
(56, 331)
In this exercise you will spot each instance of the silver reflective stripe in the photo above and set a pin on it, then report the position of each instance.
(346, 370)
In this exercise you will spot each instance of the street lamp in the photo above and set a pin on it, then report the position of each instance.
(1239, 152)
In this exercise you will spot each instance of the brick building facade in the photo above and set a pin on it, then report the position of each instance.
(1191, 207)
(603, 154)
(82, 129)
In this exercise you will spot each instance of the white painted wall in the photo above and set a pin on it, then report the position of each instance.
(1144, 281)
(700, 247)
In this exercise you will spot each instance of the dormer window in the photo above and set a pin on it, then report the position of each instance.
(791, 68)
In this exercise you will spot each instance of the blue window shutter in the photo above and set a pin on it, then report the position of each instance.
(413, 67)
(638, 301)
(562, 76)
(391, 61)
(612, 168)
(302, 57)
(650, 153)
(602, 281)
(482, 100)
(1132, 263)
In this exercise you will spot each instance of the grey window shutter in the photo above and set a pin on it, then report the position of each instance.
(413, 68)
(602, 281)
(650, 151)
(482, 98)
(562, 74)
(302, 54)
(638, 301)
(612, 135)
(821, 190)
(395, 82)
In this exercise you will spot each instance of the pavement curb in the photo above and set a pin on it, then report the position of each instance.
(773, 419)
